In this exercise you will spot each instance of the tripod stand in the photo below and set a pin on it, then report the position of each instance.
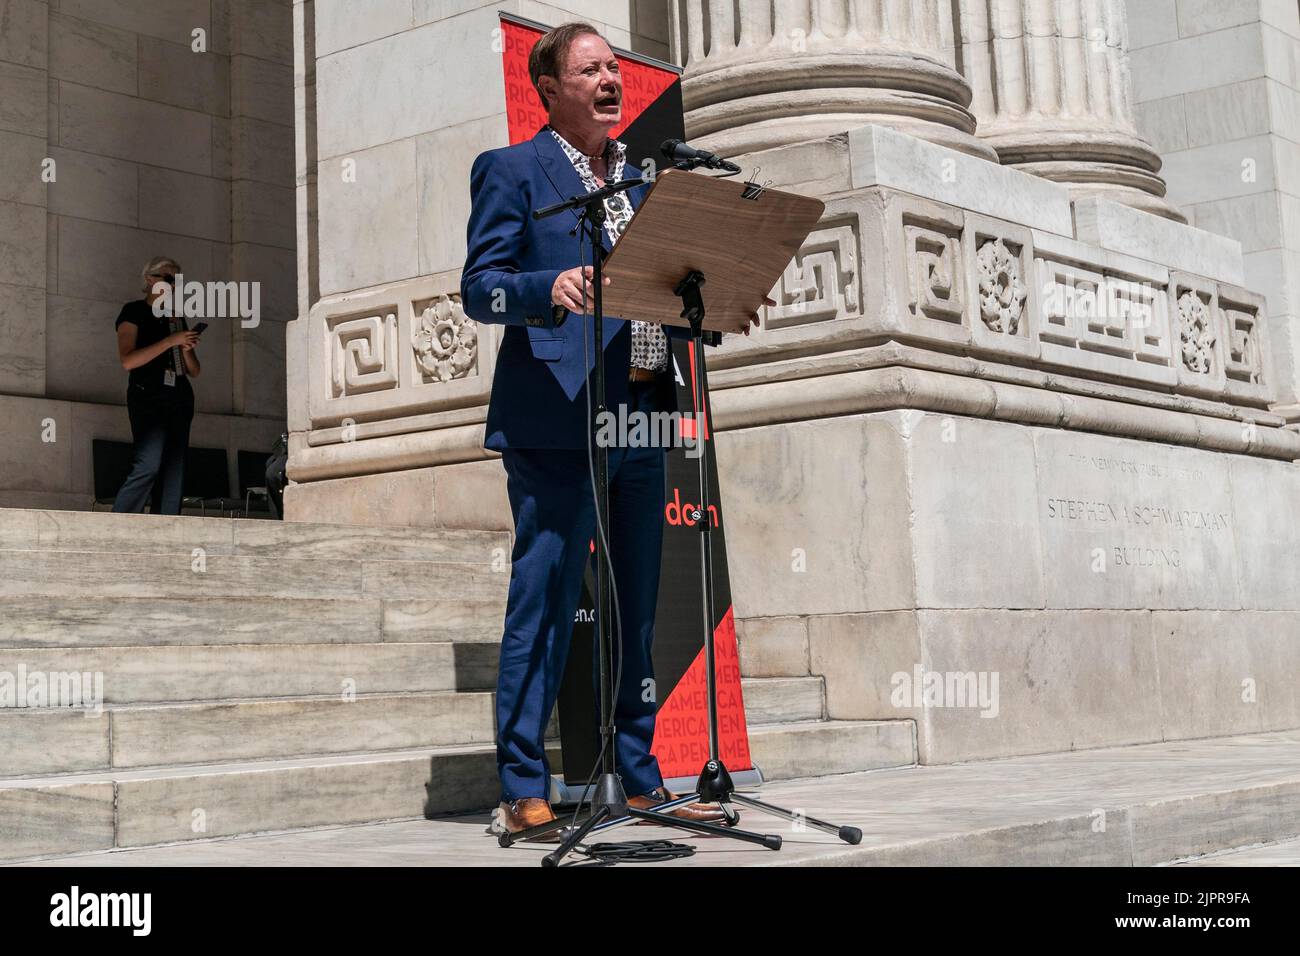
(609, 805)
(714, 784)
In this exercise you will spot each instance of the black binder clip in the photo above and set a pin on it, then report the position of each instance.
(754, 190)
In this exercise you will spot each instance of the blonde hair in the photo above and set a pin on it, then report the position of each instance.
(151, 269)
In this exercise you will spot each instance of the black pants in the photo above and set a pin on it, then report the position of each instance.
(160, 427)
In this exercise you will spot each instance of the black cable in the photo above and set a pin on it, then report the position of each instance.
(636, 851)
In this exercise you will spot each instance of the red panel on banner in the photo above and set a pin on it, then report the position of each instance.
(682, 725)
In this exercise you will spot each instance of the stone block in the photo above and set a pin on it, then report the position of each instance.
(262, 28)
(1163, 123)
(262, 214)
(37, 452)
(22, 244)
(1151, 22)
(368, 226)
(972, 485)
(175, 74)
(788, 553)
(1222, 170)
(261, 89)
(1196, 17)
(1198, 63)
(1223, 673)
(173, 21)
(184, 204)
(1255, 221)
(472, 495)
(1064, 681)
(22, 340)
(273, 269)
(861, 656)
(103, 261)
(393, 88)
(261, 151)
(88, 186)
(259, 363)
(24, 38)
(92, 54)
(1102, 311)
(24, 98)
(773, 646)
(1129, 524)
(883, 157)
(1284, 107)
(1227, 113)
(443, 160)
(342, 23)
(124, 127)
(1268, 540)
(1162, 241)
(82, 350)
(21, 157)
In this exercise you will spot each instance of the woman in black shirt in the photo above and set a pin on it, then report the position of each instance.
(159, 354)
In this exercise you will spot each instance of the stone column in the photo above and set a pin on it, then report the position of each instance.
(760, 75)
(1053, 96)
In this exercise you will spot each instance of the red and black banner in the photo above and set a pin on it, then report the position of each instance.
(652, 112)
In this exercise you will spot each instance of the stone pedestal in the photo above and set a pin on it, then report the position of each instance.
(1028, 449)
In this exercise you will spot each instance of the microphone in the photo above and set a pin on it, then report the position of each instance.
(679, 152)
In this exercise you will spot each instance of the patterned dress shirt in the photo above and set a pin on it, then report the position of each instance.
(649, 343)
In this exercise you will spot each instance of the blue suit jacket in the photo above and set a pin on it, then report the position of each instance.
(511, 264)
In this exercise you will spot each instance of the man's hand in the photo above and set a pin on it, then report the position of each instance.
(573, 288)
(753, 318)
(186, 339)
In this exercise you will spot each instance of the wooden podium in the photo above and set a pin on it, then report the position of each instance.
(690, 222)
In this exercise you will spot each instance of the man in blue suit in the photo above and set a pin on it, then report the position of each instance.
(526, 274)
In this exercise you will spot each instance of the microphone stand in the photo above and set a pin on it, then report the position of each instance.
(609, 804)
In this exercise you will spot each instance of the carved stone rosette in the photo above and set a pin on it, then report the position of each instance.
(445, 340)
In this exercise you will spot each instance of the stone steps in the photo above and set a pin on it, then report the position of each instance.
(60, 814)
(286, 676)
(771, 700)
(23, 529)
(58, 574)
(213, 672)
(76, 621)
(817, 748)
(129, 736)
(1135, 806)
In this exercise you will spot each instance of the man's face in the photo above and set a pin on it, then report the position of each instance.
(589, 89)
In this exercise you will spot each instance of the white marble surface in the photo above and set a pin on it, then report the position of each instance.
(1120, 806)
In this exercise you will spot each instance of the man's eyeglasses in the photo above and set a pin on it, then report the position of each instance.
(169, 279)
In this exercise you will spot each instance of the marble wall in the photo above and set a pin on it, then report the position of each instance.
(1217, 91)
(129, 129)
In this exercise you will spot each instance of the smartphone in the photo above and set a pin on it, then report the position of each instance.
(200, 327)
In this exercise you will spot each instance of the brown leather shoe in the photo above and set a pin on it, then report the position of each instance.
(522, 814)
(697, 812)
